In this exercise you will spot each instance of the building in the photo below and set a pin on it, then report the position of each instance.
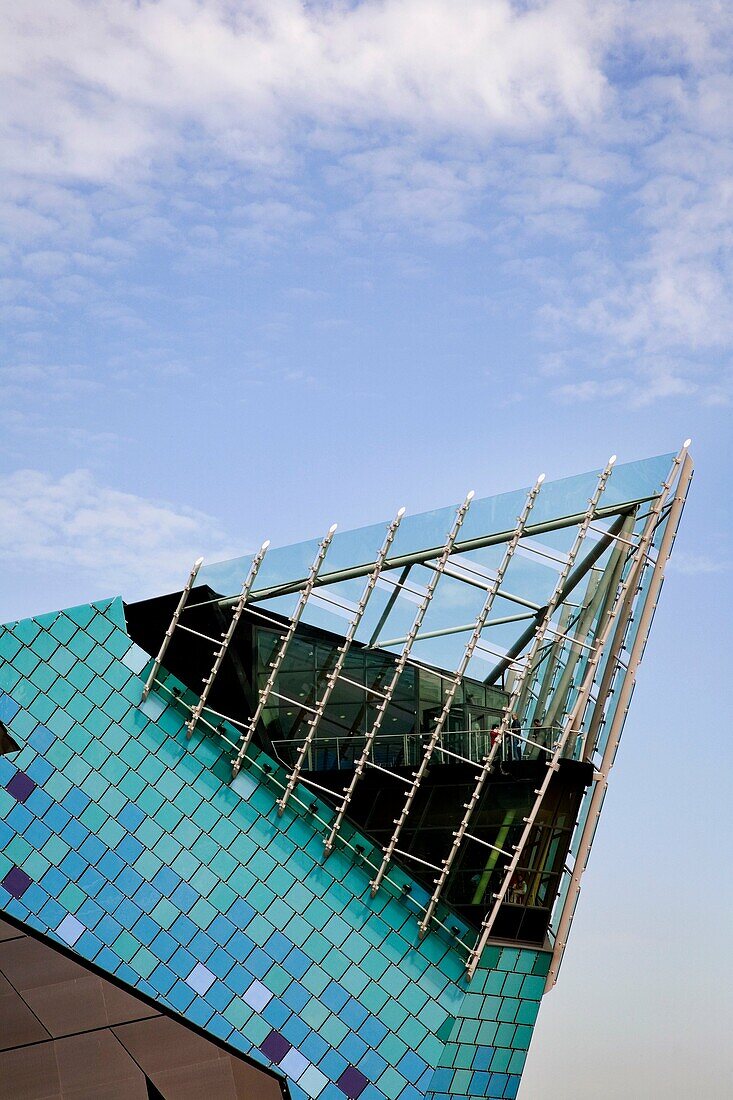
(315, 824)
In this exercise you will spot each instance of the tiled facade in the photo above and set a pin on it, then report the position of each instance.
(130, 845)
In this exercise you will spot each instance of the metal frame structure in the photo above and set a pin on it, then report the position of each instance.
(386, 696)
(572, 726)
(342, 651)
(285, 645)
(601, 776)
(152, 675)
(554, 665)
(528, 670)
(468, 653)
(221, 652)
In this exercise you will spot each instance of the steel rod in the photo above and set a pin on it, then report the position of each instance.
(282, 651)
(173, 624)
(572, 724)
(572, 582)
(226, 641)
(399, 668)
(343, 653)
(609, 754)
(422, 556)
(468, 653)
(554, 602)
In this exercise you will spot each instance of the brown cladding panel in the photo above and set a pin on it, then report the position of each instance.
(185, 1066)
(18, 1025)
(83, 1058)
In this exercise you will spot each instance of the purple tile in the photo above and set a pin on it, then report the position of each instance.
(20, 786)
(275, 1047)
(16, 882)
(353, 1082)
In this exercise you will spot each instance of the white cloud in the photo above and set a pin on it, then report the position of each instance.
(218, 130)
(103, 87)
(694, 563)
(113, 541)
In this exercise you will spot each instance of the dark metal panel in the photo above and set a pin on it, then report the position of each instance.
(18, 1025)
(184, 1066)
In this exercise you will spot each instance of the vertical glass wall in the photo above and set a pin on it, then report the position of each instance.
(352, 709)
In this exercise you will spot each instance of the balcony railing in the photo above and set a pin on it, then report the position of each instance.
(335, 753)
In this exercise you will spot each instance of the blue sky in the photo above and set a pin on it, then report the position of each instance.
(264, 266)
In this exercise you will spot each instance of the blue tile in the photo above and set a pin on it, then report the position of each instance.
(92, 849)
(76, 801)
(334, 996)
(57, 818)
(183, 929)
(353, 1014)
(278, 946)
(184, 897)
(241, 912)
(220, 962)
(297, 963)
(166, 881)
(182, 963)
(146, 896)
(127, 913)
(130, 848)
(276, 1013)
(221, 929)
(130, 816)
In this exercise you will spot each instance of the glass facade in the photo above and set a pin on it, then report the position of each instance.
(412, 712)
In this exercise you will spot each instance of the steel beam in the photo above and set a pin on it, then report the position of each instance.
(572, 582)
(173, 624)
(574, 720)
(609, 754)
(541, 629)
(399, 669)
(422, 556)
(226, 639)
(282, 651)
(343, 651)
(468, 653)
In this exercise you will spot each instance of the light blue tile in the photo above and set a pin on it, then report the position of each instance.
(70, 929)
(201, 979)
(257, 996)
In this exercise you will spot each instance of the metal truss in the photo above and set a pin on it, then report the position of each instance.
(527, 672)
(171, 629)
(221, 652)
(638, 558)
(285, 641)
(386, 697)
(468, 653)
(554, 664)
(343, 650)
(600, 783)
(422, 557)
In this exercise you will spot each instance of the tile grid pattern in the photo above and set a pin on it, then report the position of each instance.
(135, 850)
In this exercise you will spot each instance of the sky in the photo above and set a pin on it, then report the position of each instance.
(269, 265)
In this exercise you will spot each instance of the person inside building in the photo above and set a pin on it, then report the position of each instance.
(516, 740)
(539, 736)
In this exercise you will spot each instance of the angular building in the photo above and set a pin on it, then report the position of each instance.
(315, 824)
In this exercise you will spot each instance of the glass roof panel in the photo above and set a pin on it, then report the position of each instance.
(630, 481)
(529, 582)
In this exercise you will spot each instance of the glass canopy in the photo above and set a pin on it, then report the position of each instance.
(489, 523)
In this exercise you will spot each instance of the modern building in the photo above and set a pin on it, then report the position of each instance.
(314, 825)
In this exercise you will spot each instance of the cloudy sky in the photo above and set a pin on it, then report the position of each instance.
(266, 264)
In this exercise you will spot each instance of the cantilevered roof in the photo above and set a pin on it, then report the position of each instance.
(479, 547)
